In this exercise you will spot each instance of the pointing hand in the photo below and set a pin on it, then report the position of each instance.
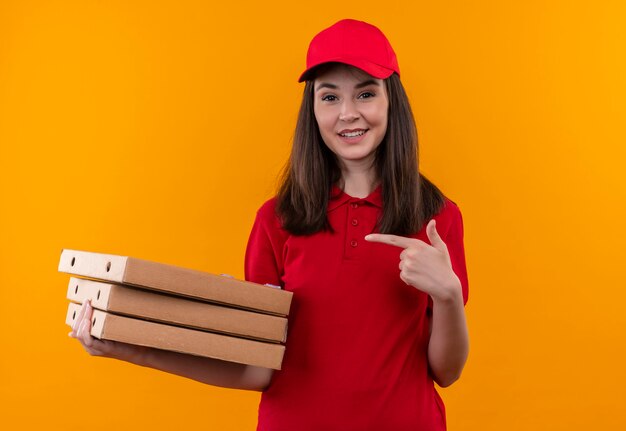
(423, 266)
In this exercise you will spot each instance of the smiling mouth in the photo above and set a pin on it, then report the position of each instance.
(353, 134)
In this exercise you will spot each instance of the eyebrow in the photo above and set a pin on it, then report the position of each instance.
(360, 85)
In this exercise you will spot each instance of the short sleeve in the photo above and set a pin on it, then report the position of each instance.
(263, 259)
(456, 249)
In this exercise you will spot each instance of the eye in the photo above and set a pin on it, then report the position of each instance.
(366, 95)
(329, 98)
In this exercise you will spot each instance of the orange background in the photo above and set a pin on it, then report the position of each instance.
(156, 129)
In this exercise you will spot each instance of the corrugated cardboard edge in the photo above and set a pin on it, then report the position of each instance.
(106, 267)
(72, 313)
(81, 289)
(150, 334)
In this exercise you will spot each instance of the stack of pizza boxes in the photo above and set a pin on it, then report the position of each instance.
(167, 307)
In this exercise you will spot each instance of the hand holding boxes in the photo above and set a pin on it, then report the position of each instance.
(172, 308)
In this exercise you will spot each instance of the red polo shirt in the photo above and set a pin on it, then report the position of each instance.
(356, 351)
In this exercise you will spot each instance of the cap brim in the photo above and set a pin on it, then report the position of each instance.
(370, 68)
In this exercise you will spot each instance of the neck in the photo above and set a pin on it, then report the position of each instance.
(358, 183)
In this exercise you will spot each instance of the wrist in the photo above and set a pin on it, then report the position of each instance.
(451, 293)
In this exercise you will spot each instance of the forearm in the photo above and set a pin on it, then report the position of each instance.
(206, 370)
(449, 341)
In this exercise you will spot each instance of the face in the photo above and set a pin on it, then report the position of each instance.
(351, 111)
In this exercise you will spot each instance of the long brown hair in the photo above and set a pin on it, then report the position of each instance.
(409, 198)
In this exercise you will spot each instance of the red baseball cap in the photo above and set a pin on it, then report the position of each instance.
(352, 42)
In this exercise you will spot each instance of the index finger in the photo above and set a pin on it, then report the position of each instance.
(84, 329)
(398, 241)
(79, 318)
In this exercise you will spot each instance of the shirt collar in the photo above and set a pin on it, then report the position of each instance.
(338, 197)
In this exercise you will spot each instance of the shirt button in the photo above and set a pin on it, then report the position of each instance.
(353, 243)
(355, 222)
(354, 205)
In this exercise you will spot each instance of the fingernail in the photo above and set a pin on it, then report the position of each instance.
(367, 237)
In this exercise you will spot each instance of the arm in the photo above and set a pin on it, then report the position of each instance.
(449, 341)
(206, 370)
(441, 274)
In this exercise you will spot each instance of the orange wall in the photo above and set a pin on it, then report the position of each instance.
(156, 129)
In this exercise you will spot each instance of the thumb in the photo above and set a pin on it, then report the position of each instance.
(435, 239)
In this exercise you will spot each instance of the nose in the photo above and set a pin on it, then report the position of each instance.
(348, 112)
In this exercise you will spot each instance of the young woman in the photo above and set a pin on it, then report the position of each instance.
(372, 250)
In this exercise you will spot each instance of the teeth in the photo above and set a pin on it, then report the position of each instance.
(353, 134)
